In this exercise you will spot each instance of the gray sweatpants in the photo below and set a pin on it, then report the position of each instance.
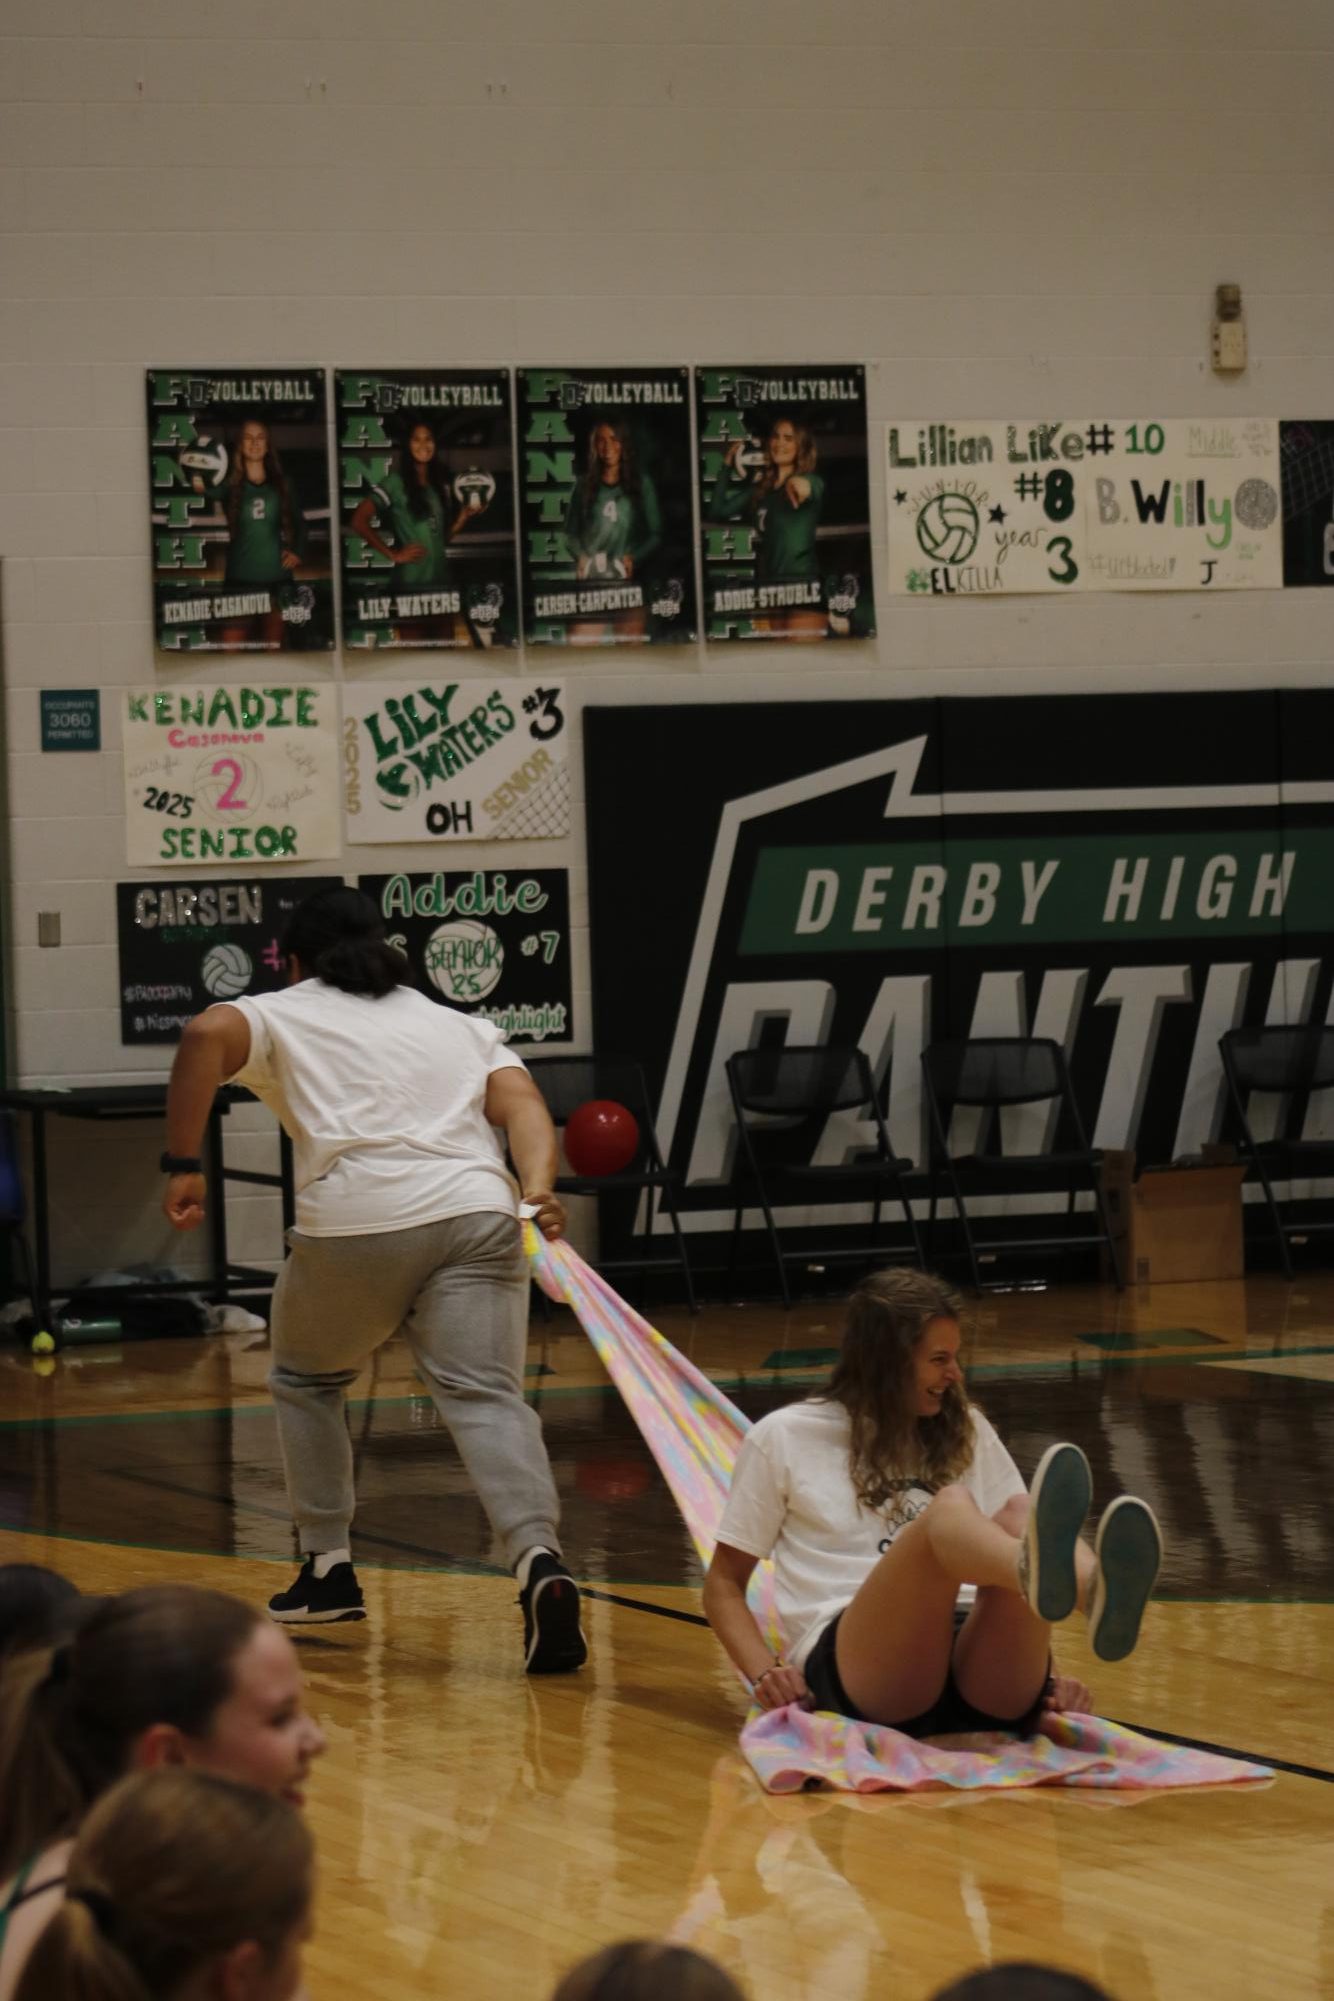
(458, 1290)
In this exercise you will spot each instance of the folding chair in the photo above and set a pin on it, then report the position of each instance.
(991, 1077)
(1292, 1062)
(566, 1082)
(802, 1086)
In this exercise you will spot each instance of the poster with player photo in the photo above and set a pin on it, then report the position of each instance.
(426, 507)
(1306, 469)
(238, 471)
(492, 942)
(784, 502)
(606, 515)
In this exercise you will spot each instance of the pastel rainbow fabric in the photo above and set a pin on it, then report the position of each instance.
(694, 1432)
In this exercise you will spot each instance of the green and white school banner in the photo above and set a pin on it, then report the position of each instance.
(236, 774)
(980, 509)
(455, 761)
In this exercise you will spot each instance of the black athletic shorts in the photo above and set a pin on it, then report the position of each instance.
(949, 1713)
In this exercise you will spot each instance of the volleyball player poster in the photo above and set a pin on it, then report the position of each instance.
(238, 470)
(784, 502)
(426, 507)
(606, 519)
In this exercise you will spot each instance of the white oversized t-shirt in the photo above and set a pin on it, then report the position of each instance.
(792, 1498)
(384, 1101)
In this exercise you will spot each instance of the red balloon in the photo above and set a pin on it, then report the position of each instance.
(601, 1137)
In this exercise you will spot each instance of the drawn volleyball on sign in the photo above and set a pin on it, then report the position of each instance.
(948, 528)
(464, 959)
(226, 971)
(229, 785)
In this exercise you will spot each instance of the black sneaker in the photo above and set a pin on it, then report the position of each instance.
(319, 1601)
(553, 1639)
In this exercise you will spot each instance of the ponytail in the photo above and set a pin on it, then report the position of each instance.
(338, 935)
(172, 1871)
(70, 1714)
(41, 1796)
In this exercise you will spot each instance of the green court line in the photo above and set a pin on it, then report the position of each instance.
(800, 1358)
(1122, 1339)
(979, 1372)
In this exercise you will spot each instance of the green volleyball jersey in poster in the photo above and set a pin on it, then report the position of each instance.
(391, 501)
(785, 534)
(614, 523)
(255, 551)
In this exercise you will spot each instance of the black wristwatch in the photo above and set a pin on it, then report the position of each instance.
(180, 1163)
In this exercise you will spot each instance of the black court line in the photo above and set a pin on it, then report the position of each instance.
(1159, 1736)
(1225, 1751)
(639, 1605)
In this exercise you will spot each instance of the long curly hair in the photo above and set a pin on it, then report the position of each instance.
(628, 480)
(768, 477)
(274, 476)
(874, 1381)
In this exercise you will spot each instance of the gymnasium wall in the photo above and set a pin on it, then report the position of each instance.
(999, 210)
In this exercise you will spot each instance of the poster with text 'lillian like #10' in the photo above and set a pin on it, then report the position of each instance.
(981, 509)
(230, 774)
(431, 760)
(238, 469)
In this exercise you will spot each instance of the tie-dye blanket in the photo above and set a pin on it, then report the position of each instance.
(790, 1751)
(693, 1432)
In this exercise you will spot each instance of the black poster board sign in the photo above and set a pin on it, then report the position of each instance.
(491, 942)
(184, 945)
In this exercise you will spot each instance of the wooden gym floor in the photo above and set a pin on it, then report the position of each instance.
(478, 1829)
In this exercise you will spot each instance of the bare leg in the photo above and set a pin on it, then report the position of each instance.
(1002, 1655)
(895, 1638)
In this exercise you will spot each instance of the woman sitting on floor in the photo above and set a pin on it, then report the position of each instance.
(880, 1501)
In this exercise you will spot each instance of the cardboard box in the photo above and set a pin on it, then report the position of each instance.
(1173, 1224)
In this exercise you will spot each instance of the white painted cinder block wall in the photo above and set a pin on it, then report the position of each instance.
(1003, 209)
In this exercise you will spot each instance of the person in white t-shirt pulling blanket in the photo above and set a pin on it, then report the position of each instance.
(406, 1220)
(881, 1502)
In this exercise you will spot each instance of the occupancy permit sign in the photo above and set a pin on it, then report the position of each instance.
(980, 509)
(455, 761)
(234, 774)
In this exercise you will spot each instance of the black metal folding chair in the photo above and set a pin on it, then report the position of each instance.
(990, 1076)
(566, 1082)
(783, 1098)
(1291, 1062)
